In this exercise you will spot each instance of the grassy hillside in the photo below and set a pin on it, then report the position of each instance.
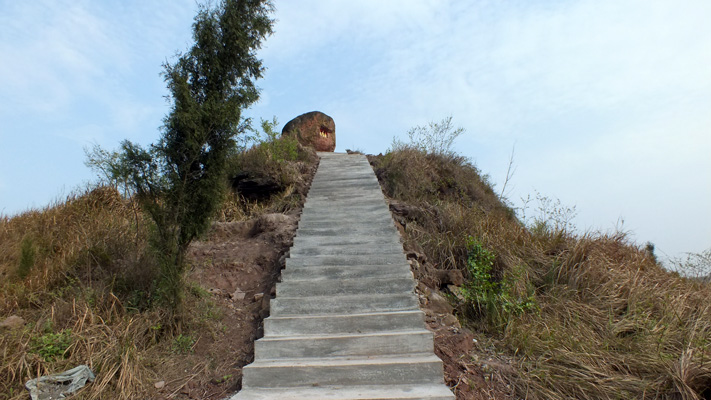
(555, 314)
(582, 316)
(82, 276)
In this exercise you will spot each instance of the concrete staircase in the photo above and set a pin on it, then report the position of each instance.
(345, 323)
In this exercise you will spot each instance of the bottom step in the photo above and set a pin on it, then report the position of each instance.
(390, 392)
(414, 369)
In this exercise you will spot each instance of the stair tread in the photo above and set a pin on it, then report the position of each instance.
(414, 331)
(415, 358)
(359, 333)
(380, 392)
(356, 314)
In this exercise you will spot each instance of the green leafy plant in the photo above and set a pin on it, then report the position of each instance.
(485, 296)
(224, 378)
(52, 346)
(480, 291)
(279, 149)
(183, 344)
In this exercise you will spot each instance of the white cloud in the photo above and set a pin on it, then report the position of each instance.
(600, 96)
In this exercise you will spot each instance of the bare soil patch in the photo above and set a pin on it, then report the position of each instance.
(473, 369)
(238, 265)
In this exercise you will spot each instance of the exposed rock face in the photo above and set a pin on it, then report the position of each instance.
(314, 129)
(255, 187)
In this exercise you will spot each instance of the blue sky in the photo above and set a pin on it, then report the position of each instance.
(606, 101)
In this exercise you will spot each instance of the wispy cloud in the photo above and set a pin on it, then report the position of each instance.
(77, 72)
(602, 97)
(607, 100)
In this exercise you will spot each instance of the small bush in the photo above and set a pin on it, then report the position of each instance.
(695, 265)
(279, 167)
(436, 138)
(484, 295)
(52, 346)
(183, 344)
(27, 257)
(271, 155)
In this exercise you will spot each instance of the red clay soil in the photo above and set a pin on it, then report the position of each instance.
(472, 370)
(238, 265)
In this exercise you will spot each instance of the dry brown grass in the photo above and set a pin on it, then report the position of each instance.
(87, 238)
(84, 268)
(89, 264)
(282, 161)
(610, 323)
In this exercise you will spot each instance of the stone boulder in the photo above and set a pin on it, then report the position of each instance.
(314, 129)
(12, 322)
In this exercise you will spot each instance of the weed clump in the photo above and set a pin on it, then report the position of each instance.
(51, 346)
(483, 296)
(27, 257)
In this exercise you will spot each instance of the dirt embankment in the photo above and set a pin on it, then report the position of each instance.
(238, 264)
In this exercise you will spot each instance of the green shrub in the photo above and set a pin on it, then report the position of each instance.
(276, 148)
(484, 295)
(52, 346)
(179, 181)
(27, 257)
(183, 344)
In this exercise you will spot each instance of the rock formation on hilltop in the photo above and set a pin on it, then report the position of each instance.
(314, 129)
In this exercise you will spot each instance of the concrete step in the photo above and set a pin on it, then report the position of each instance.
(303, 372)
(352, 172)
(343, 304)
(356, 218)
(346, 224)
(356, 169)
(347, 199)
(346, 260)
(322, 273)
(367, 196)
(351, 187)
(335, 211)
(346, 240)
(356, 249)
(337, 287)
(345, 183)
(386, 229)
(330, 211)
(385, 392)
(356, 235)
(344, 345)
(346, 176)
(320, 209)
(345, 323)
(349, 219)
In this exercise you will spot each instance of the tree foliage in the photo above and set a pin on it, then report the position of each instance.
(180, 180)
